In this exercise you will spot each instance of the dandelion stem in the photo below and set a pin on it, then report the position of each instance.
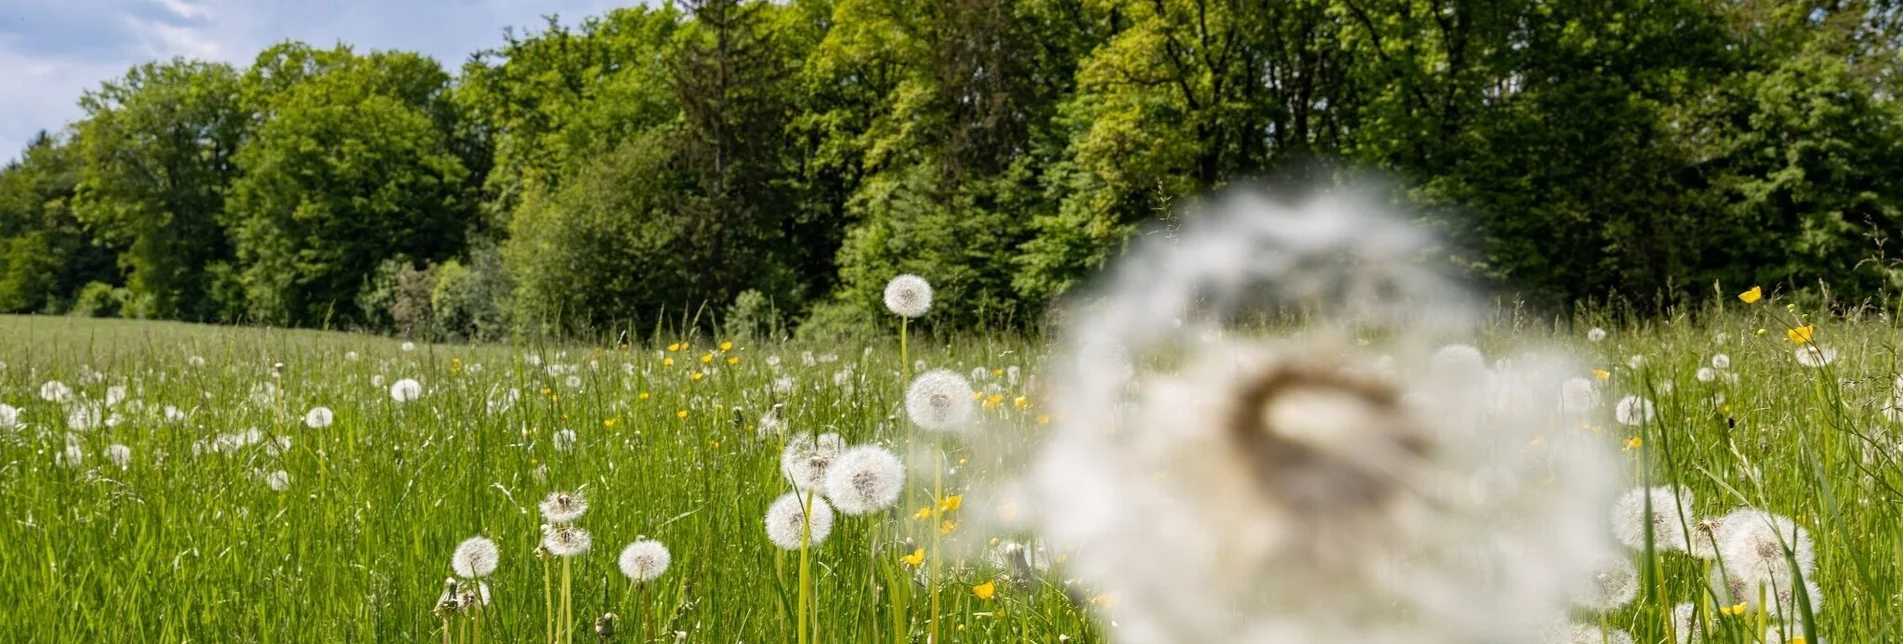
(938, 495)
(548, 601)
(568, 606)
(806, 566)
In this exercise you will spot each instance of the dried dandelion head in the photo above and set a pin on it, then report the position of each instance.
(563, 507)
(805, 459)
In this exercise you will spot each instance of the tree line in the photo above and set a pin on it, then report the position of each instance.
(766, 163)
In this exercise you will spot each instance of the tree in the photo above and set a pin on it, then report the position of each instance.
(46, 254)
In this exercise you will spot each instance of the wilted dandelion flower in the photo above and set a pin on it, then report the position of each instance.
(9, 416)
(1595, 334)
(939, 400)
(1228, 486)
(564, 440)
(565, 540)
(319, 417)
(1815, 355)
(1633, 411)
(475, 557)
(786, 521)
(563, 507)
(1668, 517)
(644, 560)
(56, 391)
(805, 460)
(1614, 583)
(908, 295)
(864, 480)
(278, 481)
(406, 390)
(120, 455)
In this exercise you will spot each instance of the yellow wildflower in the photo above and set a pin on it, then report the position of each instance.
(1043, 420)
(1752, 296)
(696, 376)
(1601, 374)
(733, 359)
(947, 526)
(682, 414)
(1737, 609)
(922, 513)
(1633, 443)
(916, 558)
(985, 590)
(644, 395)
(674, 347)
(607, 422)
(667, 362)
(1106, 600)
(1801, 334)
(726, 346)
(951, 502)
(707, 358)
(1021, 402)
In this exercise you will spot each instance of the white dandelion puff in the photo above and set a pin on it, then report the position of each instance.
(1578, 396)
(1721, 361)
(563, 507)
(406, 390)
(74, 455)
(804, 460)
(1587, 634)
(351, 356)
(939, 400)
(1595, 334)
(1816, 356)
(1754, 545)
(376, 380)
(786, 521)
(864, 480)
(120, 455)
(1633, 411)
(56, 391)
(9, 416)
(195, 361)
(908, 295)
(1685, 624)
(115, 394)
(1705, 374)
(83, 417)
(1458, 361)
(1614, 583)
(565, 540)
(1011, 375)
(644, 560)
(475, 557)
(1669, 517)
(278, 481)
(319, 417)
(563, 440)
(408, 346)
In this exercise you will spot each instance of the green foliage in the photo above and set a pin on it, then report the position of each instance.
(100, 300)
(751, 315)
(46, 252)
(470, 302)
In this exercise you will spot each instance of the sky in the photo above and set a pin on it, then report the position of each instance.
(53, 50)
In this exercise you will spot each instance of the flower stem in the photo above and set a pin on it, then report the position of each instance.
(806, 567)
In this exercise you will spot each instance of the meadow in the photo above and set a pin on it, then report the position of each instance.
(182, 489)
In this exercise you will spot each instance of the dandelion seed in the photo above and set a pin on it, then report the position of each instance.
(644, 560)
(1721, 361)
(1614, 583)
(406, 390)
(1667, 517)
(563, 507)
(565, 540)
(908, 296)
(864, 480)
(1816, 356)
(1633, 411)
(278, 481)
(319, 417)
(120, 455)
(1595, 334)
(939, 400)
(564, 440)
(56, 391)
(785, 521)
(805, 460)
(475, 558)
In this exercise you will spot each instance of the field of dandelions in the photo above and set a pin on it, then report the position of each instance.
(1730, 476)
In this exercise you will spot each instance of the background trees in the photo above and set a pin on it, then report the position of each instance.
(663, 162)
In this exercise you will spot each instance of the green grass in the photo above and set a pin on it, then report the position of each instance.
(181, 547)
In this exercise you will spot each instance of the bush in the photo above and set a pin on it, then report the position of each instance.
(837, 321)
(469, 300)
(753, 315)
(99, 300)
(410, 299)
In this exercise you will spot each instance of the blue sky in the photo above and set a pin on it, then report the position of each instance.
(52, 50)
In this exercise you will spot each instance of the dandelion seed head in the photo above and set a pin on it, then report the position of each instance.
(120, 455)
(1753, 548)
(805, 459)
(1595, 334)
(644, 560)
(406, 390)
(1222, 480)
(1705, 374)
(1669, 517)
(565, 540)
(563, 440)
(1578, 396)
(9, 416)
(56, 392)
(864, 480)
(1633, 411)
(563, 507)
(786, 521)
(475, 557)
(319, 417)
(1815, 356)
(278, 481)
(1721, 361)
(1614, 583)
(939, 400)
(908, 296)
